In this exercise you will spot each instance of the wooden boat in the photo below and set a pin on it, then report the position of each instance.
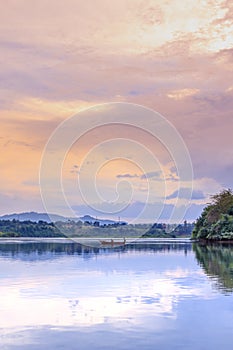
(113, 243)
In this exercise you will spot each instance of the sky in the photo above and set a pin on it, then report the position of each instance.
(58, 58)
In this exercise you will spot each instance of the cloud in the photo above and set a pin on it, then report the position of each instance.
(185, 193)
(19, 201)
(75, 169)
(127, 176)
(172, 58)
(182, 93)
(56, 61)
(150, 175)
(18, 143)
(154, 211)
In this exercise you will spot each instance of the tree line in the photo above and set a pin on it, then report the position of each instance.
(216, 220)
(16, 228)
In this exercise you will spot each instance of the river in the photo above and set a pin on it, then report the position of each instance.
(156, 295)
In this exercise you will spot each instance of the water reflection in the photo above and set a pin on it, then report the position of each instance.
(70, 284)
(217, 262)
(44, 250)
(139, 296)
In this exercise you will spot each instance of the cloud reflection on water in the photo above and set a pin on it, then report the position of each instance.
(95, 297)
(67, 296)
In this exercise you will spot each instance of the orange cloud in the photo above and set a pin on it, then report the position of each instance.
(57, 59)
(182, 93)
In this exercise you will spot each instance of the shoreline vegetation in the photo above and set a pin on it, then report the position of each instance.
(71, 229)
(214, 225)
(216, 221)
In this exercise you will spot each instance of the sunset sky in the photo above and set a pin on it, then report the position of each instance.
(59, 57)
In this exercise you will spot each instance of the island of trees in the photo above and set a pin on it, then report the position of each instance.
(216, 220)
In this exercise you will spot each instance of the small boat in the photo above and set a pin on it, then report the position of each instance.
(113, 243)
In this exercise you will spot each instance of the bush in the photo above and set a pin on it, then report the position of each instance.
(216, 220)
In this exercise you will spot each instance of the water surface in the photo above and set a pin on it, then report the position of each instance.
(140, 296)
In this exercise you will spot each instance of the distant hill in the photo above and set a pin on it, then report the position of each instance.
(35, 217)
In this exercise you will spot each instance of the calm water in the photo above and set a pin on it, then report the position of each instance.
(156, 296)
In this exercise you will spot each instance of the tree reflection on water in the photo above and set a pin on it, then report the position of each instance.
(217, 262)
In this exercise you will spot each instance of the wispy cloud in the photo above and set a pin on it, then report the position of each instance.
(150, 175)
(185, 193)
(182, 93)
(172, 58)
(127, 176)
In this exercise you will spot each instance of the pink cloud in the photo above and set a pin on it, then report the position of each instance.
(175, 58)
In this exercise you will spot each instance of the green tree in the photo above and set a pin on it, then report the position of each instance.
(216, 220)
